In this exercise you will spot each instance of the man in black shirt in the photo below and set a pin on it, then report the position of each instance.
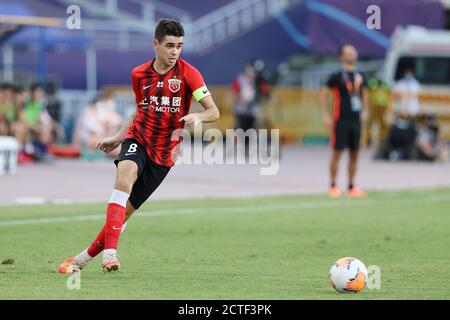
(349, 90)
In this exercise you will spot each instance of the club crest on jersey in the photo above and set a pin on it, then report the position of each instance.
(174, 85)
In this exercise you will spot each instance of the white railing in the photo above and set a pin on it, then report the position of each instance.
(230, 21)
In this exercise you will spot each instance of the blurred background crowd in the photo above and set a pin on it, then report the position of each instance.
(33, 117)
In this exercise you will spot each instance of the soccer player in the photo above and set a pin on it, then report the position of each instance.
(349, 90)
(164, 87)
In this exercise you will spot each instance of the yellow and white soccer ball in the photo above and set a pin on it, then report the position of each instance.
(348, 275)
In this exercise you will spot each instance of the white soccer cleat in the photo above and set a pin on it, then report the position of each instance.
(110, 261)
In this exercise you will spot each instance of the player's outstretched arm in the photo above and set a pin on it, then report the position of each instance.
(110, 143)
(210, 114)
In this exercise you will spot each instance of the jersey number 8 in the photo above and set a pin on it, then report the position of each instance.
(132, 148)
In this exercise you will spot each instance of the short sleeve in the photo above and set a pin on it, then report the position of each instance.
(196, 83)
(332, 81)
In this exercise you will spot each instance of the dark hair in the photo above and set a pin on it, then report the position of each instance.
(168, 27)
(35, 86)
(409, 68)
(18, 89)
(6, 86)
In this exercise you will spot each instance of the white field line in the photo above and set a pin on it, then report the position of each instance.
(234, 209)
(32, 201)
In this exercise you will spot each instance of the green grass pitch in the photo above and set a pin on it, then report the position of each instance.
(261, 248)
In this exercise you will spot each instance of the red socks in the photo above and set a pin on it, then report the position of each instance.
(115, 217)
(99, 243)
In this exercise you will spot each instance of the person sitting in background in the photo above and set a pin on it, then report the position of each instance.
(39, 121)
(98, 119)
(109, 119)
(88, 130)
(429, 144)
(400, 143)
(19, 100)
(12, 121)
(20, 129)
(7, 109)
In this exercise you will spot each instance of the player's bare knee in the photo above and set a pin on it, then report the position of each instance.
(126, 176)
(124, 183)
(122, 186)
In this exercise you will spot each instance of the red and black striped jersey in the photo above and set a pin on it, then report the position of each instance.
(162, 99)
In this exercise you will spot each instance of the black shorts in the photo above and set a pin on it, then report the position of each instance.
(149, 176)
(346, 134)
